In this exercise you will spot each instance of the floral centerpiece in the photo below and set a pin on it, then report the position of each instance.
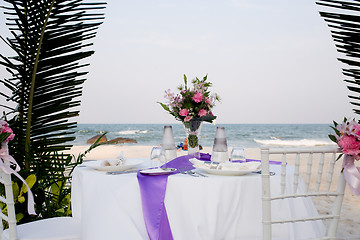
(347, 137)
(192, 106)
(8, 164)
(6, 134)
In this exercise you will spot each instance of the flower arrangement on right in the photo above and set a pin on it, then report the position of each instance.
(347, 137)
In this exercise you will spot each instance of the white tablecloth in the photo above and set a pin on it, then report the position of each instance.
(216, 207)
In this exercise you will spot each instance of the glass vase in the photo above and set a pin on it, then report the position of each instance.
(192, 130)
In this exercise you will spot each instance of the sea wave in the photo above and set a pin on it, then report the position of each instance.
(132, 132)
(301, 142)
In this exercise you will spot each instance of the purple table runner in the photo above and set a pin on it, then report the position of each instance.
(153, 189)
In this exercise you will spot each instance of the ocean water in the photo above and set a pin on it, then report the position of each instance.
(247, 135)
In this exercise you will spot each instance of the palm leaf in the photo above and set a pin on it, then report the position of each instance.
(50, 39)
(344, 21)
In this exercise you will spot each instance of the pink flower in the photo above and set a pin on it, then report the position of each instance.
(7, 129)
(354, 129)
(188, 118)
(184, 112)
(10, 138)
(202, 112)
(349, 145)
(197, 97)
(207, 101)
(3, 125)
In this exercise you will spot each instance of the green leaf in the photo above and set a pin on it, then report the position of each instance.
(30, 180)
(333, 138)
(4, 136)
(60, 210)
(21, 199)
(19, 216)
(16, 190)
(185, 81)
(164, 107)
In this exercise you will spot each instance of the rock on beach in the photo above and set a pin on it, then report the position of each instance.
(122, 140)
(94, 138)
(112, 141)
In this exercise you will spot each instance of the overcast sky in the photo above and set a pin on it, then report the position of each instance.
(270, 61)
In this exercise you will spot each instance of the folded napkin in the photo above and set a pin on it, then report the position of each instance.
(111, 162)
(230, 166)
(120, 160)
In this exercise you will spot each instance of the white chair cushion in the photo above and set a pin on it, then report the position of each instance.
(59, 228)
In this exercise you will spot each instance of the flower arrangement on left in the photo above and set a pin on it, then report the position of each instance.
(6, 134)
(7, 163)
(347, 137)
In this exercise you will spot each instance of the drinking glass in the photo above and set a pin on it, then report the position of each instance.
(157, 157)
(220, 149)
(238, 153)
(168, 144)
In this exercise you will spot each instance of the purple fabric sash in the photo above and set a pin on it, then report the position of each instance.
(152, 190)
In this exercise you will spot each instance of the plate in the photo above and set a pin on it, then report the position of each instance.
(225, 172)
(130, 163)
(158, 171)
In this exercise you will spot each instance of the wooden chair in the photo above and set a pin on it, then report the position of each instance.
(59, 228)
(321, 188)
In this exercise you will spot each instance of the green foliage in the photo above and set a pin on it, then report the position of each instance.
(50, 40)
(193, 140)
(18, 194)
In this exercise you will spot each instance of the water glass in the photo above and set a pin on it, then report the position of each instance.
(220, 149)
(157, 157)
(168, 144)
(238, 153)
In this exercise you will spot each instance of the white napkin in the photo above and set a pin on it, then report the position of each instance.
(120, 160)
(236, 166)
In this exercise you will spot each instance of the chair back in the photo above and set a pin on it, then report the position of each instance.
(318, 184)
(8, 199)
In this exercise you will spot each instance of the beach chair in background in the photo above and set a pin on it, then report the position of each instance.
(318, 185)
(59, 228)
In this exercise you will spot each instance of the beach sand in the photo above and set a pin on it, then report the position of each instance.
(349, 225)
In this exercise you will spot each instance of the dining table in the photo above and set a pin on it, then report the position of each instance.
(205, 207)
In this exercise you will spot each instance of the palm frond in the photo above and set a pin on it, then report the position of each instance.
(343, 18)
(50, 38)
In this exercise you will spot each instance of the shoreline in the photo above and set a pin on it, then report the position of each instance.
(349, 224)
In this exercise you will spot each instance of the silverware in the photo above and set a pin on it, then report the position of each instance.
(123, 172)
(182, 171)
(200, 174)
(191, 173)
(259, 172)
(203, 175)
